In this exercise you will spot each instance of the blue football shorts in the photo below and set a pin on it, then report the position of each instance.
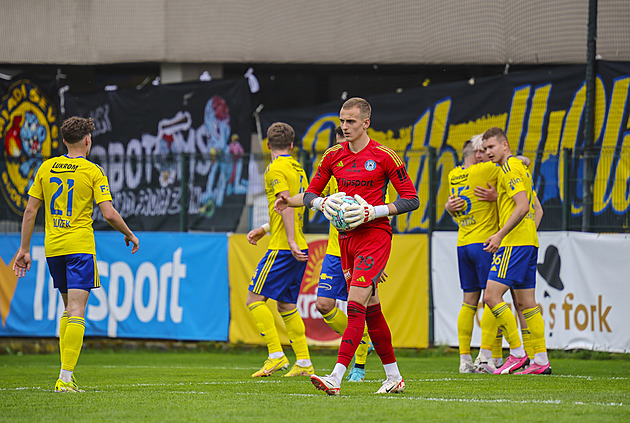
(332, 283)
(515, 266)
(474, 264)
(278, 276)
(74, 271)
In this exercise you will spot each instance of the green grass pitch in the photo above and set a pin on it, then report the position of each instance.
(216, 386)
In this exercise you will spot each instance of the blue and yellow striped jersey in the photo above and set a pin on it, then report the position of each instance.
(68, 188)
(514, 178)
(285, 174)
(479, 220)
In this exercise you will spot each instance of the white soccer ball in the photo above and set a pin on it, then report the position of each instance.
(339, 222)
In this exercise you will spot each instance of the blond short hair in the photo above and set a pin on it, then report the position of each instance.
(477, 142)
(364, 107)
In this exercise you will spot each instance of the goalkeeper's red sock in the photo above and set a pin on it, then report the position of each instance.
(353, 333)
(380, 334)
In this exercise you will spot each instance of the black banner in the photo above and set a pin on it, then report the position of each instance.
(542, 112)
(30, 134)
(149, 141)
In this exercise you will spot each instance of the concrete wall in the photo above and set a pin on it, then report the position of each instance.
(308, 31)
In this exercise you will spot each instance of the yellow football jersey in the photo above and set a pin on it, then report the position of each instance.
(479, 220)
(68, 188)
(285, 174)
(514, 178)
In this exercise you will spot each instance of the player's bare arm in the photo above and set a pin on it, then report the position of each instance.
(22, 262)
(113, 218)
(288, 222)
(522, 208)
(284, 200)
(525, 160)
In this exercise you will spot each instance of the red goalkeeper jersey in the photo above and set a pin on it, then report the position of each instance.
(366, 173)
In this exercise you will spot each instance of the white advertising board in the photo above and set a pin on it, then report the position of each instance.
(582, 287)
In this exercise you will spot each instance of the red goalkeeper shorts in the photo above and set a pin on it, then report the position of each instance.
(364, 256)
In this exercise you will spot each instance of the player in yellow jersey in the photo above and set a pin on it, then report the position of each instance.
(515, 249)
(477, 220)
(474, 210)
(68, 186)
(491, 352)
(279, 273)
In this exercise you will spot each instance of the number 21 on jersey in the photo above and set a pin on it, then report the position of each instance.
(69, 192)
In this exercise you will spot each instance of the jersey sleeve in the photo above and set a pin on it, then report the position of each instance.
(100, 185)
(514, 178)
(398, 175)
(276, 179)
(36, 190)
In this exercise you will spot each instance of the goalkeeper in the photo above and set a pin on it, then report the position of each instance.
(362, 168)
(332, 285)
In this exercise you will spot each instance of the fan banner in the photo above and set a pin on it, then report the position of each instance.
(404, 295)
(157, 141)
(169, 289)
(29, 126)
(542, 113)
(581, 288)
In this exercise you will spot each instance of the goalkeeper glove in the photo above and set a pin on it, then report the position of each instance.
(329, 205)
(356, 214)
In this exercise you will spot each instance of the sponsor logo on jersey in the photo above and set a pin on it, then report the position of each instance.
(339, 163)
(353, 168)
(28, 125)
(513, 182)
(458, 179)
(64, 168)
(345, 182)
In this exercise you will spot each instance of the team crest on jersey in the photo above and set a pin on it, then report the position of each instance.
(28, 125)
(370, 165)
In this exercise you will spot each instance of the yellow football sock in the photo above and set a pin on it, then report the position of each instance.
(297, 333)
(337, 320)
(497, 347)
(527, 343)
(507, 323)
(72, 342)
(465, 323)
(536, 327)
(266, 325)
(63, 324)
(360, 356)
(489, 326)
